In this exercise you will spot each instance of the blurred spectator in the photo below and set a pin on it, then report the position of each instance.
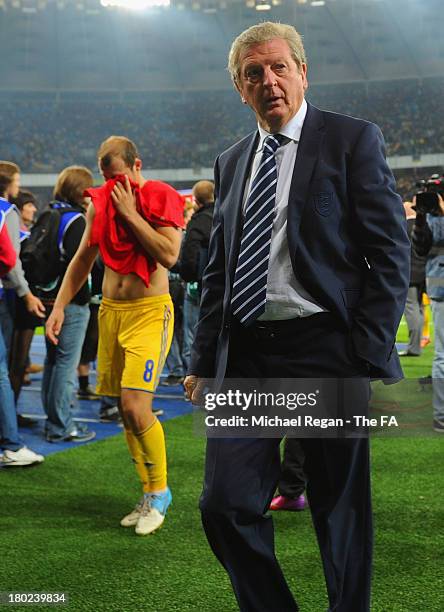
(13, 451)
(413, 309)
(14, 284)
(428, 240)
(194, 251)
(26, 203)
(63, 358)
(194, 258)
(24, 321)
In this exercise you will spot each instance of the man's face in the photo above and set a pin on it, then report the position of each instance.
(271, 83)
(14, 186)
(28, 211)
(118, 166)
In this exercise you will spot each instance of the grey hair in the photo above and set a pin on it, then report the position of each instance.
(260, 33)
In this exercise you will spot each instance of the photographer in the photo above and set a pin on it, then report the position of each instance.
(414, 314)
(428, 240)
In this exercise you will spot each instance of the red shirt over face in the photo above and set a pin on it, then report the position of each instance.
(157, 202)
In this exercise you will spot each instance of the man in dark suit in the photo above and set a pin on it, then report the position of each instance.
(314, 286)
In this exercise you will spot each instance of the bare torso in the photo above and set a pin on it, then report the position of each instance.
(131, 287)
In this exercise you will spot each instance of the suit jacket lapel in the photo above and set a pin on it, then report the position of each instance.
(234, 219)
(307, 156)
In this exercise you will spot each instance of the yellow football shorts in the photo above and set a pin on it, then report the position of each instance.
(134, 340)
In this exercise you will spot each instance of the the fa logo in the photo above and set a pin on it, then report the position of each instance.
(323, 202)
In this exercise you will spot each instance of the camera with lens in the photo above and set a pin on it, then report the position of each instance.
(427, 201)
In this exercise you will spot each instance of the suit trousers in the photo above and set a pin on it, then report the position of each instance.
(241, 476)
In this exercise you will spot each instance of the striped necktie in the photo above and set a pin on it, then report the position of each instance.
(250, 279)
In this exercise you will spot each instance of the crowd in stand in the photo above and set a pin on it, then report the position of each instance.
(409, 113)
(172, 128)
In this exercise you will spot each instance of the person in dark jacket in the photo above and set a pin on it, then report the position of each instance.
(413, 309)
(307, 277)
(25, 322)
(194, 252)
(194, 258)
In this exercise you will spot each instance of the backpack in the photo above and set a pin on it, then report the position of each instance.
(42, 253)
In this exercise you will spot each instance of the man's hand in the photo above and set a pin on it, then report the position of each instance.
(441, 203)
(34, 305)
(124, 199)
(194, 388)
(54, 325)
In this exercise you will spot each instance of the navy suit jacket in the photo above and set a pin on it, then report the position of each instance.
(346, 235)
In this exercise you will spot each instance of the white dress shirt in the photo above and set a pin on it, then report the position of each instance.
(286, 297)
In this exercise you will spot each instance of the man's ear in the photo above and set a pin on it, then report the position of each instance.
(303, 72)
(240, 92)
(138, 164)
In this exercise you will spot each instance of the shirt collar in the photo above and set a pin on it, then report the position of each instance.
(292, 130)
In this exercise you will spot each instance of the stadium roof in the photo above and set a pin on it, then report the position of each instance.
(79, 45)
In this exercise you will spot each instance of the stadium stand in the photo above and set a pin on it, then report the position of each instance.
(410, 114)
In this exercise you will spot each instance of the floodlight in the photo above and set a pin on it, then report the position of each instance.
(135, 5)
(263, 6)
